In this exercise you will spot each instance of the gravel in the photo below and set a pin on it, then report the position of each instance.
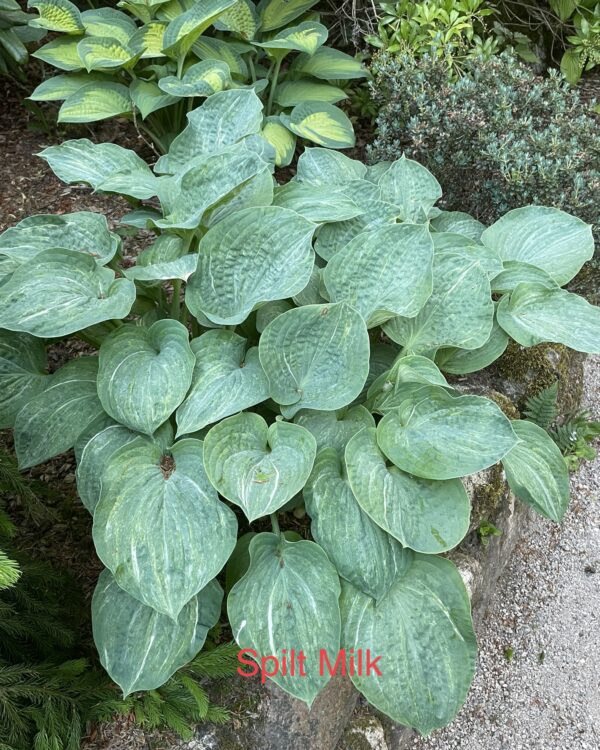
(538, 678)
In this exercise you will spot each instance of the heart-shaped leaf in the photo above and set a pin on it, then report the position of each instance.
(186, 27)
(159, 525)
(463, 361)
(321, 123)
(145, 373)
(315, 357)
(96, 101)
(56, 15)
(202, 79)
(411, 187)
(458, 222)
(333, 429)
(306, 37)
(288, 599)
(256, 466)
(227, 378)
(325, 168)
(23, 375)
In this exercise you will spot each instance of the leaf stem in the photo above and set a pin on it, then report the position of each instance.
(275, 524)
(273, 85)
(175, 299)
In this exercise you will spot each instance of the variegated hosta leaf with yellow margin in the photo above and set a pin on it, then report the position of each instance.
(315, 357)
(384, 272)
(423, 632)
(460, 311)
(290, 93)
(57, 15)
(360, 550)
(59, 292)
(61, 53)
(318, 204)
(50, 422)
(412, 188)
(534, 313)
(109, 22)
(333, 429)
(202, 79)
(62, 86)
(99, 164)
(207, 48)
(23, 374)
(252, 256)
(241, 18)
(184, 29)
(536, 471)
(142, 9)
(148, 98)
(328, 64)
(550, 239)
(159, 525)
(227, 378)
(277, 13)
(288, 599)
(438, 436)
(427, 516)
(257, 466)
(282, 140)
(145, 373)
(306, 37)
(224, 119)
(321, 123)
(387, 391)
(96, 101)
(149, 40)
(83, 231)
(141, 648)
(101, 53)
(458, 222)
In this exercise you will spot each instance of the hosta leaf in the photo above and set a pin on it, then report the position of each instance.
(533, 313)
(240, 18)
(381, 359)
(109, 23)
(460, 311)
(384, 272)
(202, 79)
(281, 139)
(550, 239)
(311, 294)
(51, 421)
(160, 526)
(22, 373)
(96, 101)
(333, 429)
(269, 311)
(148, 98)
(463, 361)
(145, 373)
(514, 272)
(317, 204)
(257, 191)
(256, 466)
(62, 291)
(148, 40)
(422, 514)
(389, 389)
(185, 28)
(306, 37)
(61, 53)
(62, 86)
(141, 648)
(251, 256)
(224, 119)
(83, 231)
(277, 13)
(97, 163)
(321, 123)
(322, 167)
(101, 53)
(316, 357)
(290, 93)
(360, 550)
(329, 64)
(438, 436)
(207, 48)
(411, 187)
(488, 260)
(537, 472)
(458, 222)
(428, 656)
(56, 15)
(181, 268)
(288, 599)
(227, 378)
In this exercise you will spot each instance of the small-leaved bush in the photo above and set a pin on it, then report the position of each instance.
(497, 138)
(156, 61)
(305, 361)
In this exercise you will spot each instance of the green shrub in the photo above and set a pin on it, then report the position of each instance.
(15, 35)
(156, 61)
(498, 138)
(305, 363)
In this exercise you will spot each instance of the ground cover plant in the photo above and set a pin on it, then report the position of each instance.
(277, 345)
(156, 61)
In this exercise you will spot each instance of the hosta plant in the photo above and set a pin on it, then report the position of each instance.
(308, 359)
(156, 60)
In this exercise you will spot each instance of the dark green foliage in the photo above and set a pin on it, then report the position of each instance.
(498, 138)
(542, 408)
